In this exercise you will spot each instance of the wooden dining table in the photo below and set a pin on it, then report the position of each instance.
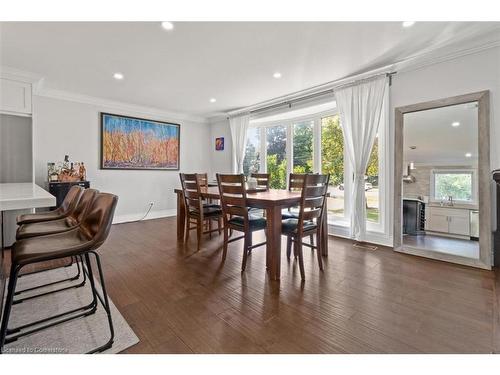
(273, 201)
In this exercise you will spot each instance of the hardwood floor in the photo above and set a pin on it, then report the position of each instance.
(178, 300)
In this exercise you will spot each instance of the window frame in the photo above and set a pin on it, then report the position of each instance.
(474, 187)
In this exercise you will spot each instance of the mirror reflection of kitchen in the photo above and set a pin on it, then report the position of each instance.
(440, 200)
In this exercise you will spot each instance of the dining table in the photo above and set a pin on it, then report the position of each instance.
(273, 201)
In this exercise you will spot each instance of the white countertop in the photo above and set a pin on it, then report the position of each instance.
(19, 196)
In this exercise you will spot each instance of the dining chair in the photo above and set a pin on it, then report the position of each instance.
(312, 204)
(197, 211)
(233, 195)
(263, 180)
(295, 183)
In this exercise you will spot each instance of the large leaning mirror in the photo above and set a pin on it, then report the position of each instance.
(442, 180)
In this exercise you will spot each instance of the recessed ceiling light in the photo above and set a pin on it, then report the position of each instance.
(408, 23)
(455, 124)
(167, 25)
(468, 155)
(277, 75)
(118, 76)
(213, 100)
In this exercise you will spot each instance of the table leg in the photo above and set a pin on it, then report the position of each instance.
(181, 217)
(324, 234)
(273, 247)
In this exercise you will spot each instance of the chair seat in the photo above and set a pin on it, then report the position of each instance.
(255, 222)
(38, 249)
(45, 227)
(289, 226)
(292, 214)
(41, 216)
(209, 211)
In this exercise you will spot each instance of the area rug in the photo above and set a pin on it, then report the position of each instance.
(75, 336)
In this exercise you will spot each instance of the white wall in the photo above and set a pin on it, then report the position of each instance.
(220, 161)
(64, 127)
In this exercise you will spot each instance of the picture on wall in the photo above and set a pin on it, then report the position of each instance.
(135, 143)
(219, 144)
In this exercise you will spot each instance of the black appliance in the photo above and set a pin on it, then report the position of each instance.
(496, 234)
(413, 216)
(60, 189)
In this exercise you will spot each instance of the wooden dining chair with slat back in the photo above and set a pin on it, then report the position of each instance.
(295, 183)
(236, 215)
(197, 212)
(262, 180)
(312, 205)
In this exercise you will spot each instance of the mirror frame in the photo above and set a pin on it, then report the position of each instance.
(484, 179)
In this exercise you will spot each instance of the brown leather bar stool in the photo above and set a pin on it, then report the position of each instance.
(80, 242)
(43, 228)
(68, 205)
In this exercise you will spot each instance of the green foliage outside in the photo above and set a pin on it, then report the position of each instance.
(332, 150)
(457, 185)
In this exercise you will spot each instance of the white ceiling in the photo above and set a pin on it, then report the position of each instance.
(182, 69)
(437, 141)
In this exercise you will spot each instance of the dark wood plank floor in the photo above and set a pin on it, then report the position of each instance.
(178, 300)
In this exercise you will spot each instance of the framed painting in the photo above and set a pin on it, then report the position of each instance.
(219, 144)
(136, 143)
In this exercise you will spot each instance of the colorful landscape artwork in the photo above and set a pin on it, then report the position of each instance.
(134, 143)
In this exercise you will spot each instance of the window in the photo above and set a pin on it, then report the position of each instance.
(276, 156)
(310, 140)
(303, 147)
(332, 161)
(458, 184)
(251, 163)
(372, 192)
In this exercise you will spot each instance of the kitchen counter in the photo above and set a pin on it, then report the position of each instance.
(455, 205)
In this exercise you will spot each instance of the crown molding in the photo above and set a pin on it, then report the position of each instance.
(40, 89)
(9, 72)
(426, 59)
(116, 105)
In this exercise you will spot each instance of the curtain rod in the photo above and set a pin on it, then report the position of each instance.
(314, 95)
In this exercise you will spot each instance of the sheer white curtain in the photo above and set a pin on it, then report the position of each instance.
(239, 127)
(360, 107)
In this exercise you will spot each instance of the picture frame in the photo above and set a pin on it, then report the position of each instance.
(134, 143)
(219, 144)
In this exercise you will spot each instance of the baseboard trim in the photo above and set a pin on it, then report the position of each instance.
(127, 218)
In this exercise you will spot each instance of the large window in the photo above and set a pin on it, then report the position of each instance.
(332, 161)
(276, 156)
(251, 163)
(458, 184)
(313, 142)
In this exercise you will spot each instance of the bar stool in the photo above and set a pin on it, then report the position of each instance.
(80, 242)
(69, 222)
(68, 205)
